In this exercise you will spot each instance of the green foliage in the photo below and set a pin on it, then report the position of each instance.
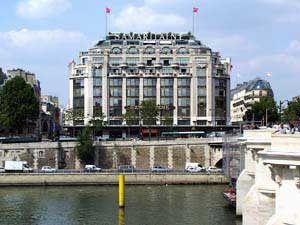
(84, 148)
(131, 116)
(18, 105)
(98, 120)
(292, 112)
(149, 112)
(167, 117)
(258, 110)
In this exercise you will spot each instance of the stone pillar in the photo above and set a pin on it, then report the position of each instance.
(246, 179)
(133, 156)
(158, 96)
(170, 157)
(210, 92)
(141, 89)
(105, 87)
(88, 96)
(228, 102)
(207, 154)
(35, 159)
(124, 95)
(259, 204)
(175, 120)
(115, 159)
(57, 151)
(194, 99)
(187, 154)
(152, 156)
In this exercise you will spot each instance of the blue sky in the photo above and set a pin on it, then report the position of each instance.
(261, 36)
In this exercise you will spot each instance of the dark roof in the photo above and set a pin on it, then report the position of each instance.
(256, 84)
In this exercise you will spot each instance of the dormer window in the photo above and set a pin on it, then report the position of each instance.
(132, 50)
(166, 50)
(182, 51)
(149, 50)
(116, 50)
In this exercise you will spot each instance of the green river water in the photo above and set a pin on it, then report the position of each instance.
(145, 205)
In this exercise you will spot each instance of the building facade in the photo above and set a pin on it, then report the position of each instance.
(245, 94)
(29, 77)
(186, 79)
(50, 116)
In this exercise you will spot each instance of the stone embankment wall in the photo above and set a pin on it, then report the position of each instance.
(142, 154)
(102, 179)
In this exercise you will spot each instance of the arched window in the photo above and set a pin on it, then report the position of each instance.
(182, 51)
(149, 50)
(132, 50)
(166, 50)
(41, 154)
(116, 50)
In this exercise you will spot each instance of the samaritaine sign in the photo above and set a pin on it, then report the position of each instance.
(149, 36)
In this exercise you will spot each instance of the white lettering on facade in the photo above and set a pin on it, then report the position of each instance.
(146, 36)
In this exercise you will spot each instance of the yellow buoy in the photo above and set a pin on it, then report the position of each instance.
(121, 191)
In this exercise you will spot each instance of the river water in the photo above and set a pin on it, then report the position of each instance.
(145, 205)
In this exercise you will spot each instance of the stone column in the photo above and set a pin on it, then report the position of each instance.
(210, 94)
(207, 154)
(141, 89)
(158, 95)
(228, 101)
(170, 157)
(133, 156)
(105, 88)
(88, 99)
(187, 154)
(124, 95)
(152, 156)
(194, 91)
(175, 117)
(35, 159)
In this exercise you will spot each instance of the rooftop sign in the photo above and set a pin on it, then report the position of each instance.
(149, 36)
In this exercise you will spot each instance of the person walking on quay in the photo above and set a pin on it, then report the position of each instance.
(292, 128)
(280, 129)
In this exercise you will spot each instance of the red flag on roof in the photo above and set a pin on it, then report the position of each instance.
(107, 10)
(195, 9)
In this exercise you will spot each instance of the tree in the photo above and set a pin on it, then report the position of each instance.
(85, 150)
(258, 111)
(292, 112)
(98, 121)
(149, 113)
(131, 117)
(18, 105)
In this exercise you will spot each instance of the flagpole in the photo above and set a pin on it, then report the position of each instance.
(105, 24)
(193, 23)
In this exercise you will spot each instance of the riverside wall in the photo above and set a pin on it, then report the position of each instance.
(108, 155)
(108, 179)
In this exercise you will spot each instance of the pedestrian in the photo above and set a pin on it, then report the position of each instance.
(280, 129)
(292, 128)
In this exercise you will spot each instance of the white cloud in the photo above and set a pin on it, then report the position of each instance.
(34, 9)
(144, 18)
(286, 3)
(39, 38)
(232, 45)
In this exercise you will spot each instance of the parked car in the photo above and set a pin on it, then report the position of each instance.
(91, 168)
(48, 169)
(194, 168)
(2, 170)
(213, 169)
(159, 169)
(126, 168)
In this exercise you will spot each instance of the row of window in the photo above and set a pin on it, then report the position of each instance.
(149, 50)
(149, 61)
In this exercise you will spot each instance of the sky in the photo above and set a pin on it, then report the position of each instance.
(262, 37)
